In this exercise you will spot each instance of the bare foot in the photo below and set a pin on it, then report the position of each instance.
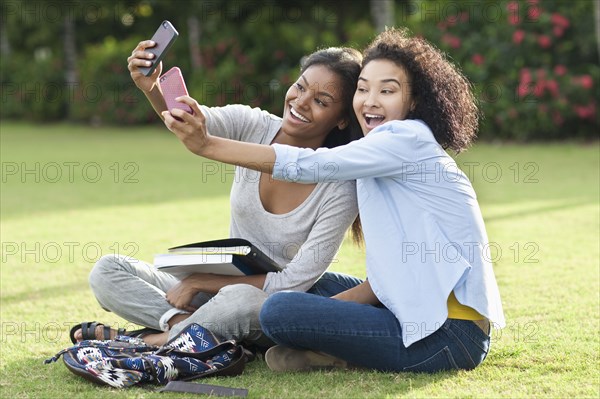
(156, 339)
(98, 334)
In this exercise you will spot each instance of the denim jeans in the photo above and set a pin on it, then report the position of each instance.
(368, 336)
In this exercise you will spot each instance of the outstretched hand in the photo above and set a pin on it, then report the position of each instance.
(189, 129)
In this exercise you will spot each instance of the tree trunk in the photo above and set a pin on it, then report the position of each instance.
(382, 12)
(71, 78)
(597, 19)
(5, 49)
(194, 42)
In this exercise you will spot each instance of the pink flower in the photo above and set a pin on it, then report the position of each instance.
(533, 12)
(552, 86)
(513, 19)
(586, 81)
(560, 70)
(558, 31)
(451, 40)
(525, 75)
(452, 20)
(585, 111)
(544, 41)
(464, 16)
(538, 89)
(513, 7)
(560, 20)
(477, 59)
(522, 90)
(518, 36)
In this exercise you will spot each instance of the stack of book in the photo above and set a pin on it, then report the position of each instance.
(231, 256)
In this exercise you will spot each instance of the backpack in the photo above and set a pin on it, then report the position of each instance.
(125, 361)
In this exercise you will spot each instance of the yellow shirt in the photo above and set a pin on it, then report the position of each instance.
(456, 310)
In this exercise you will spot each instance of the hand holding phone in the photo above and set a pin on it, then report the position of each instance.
(172, 86)
(164, 38)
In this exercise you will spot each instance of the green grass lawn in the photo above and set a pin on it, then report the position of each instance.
(72, 193)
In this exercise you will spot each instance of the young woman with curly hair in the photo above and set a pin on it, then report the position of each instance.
(430, 294)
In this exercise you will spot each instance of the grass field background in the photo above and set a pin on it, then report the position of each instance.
(70, 194)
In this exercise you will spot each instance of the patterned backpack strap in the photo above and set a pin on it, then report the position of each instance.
(197, 353)
(99, 361)
(126, 361)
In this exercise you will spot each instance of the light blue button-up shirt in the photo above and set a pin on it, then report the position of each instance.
(423, 229)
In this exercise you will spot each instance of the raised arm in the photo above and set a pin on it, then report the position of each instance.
(395, 148)
(193, 134)
(147, 84)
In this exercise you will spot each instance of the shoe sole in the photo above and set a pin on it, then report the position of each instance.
(280, 358)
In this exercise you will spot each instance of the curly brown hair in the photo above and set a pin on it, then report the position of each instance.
(443, 95)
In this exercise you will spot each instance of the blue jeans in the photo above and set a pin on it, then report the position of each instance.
(365, 335)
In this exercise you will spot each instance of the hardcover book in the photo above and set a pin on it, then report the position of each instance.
(231, 256)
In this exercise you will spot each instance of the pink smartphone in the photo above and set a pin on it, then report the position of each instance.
(172, 86)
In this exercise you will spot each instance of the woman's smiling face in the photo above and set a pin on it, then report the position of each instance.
(383, 94)
(313, 105)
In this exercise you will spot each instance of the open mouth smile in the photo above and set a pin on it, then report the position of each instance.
(298, 116)
(373, 120)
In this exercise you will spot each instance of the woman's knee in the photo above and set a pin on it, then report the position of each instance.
(278, 308)
(243, 298)
(103, 267)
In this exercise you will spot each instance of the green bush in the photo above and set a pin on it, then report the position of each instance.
(32, 89)
(106, 92)
(534, 63)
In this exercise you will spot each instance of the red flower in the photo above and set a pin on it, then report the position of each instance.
(452, 20)
(518, 36)
(533, 12)
(560, 70)
(552, 86)
(558, 31)
(585, 111)
(477, 59)
(513, 7)
(525, 75)
(451, 40)
(586, 81)
(538, 89)
(522, 90)
(544, 41)
(560, 20)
